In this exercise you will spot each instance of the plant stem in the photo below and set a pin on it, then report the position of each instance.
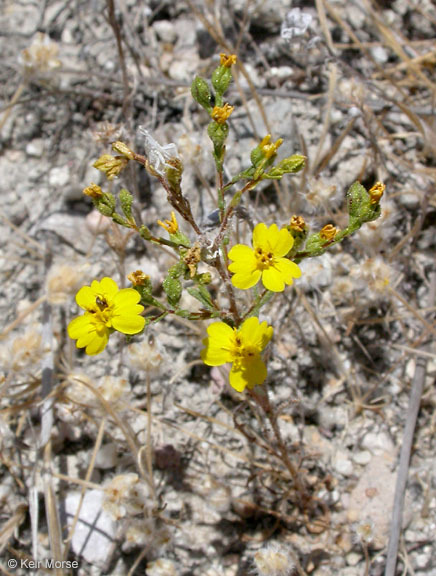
(262, 400)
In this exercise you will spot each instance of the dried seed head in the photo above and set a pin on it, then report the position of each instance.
(24, 351)
(63, 281)
(161, 567)
(274, 560)
(363, 532)
(117, 494)
(40, 59)
(146, 356)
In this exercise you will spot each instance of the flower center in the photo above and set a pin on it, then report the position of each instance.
(264, 259)
(242, 354)
(101, 311)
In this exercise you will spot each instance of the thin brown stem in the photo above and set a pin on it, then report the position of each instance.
(262, 400)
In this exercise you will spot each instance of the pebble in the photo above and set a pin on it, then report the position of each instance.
(165, 31)
(353, 559)
(95, 532)
(59, 176)
(107, 457)
(362, 457)
(380, 54)
(378, 443)
(35, 148)
(342, 463)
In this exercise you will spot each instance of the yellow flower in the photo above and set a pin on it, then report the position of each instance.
(328, 232)
(111, 165)
(93, 191)
(376, 192)
(171, 226)
(227, 60)
(265, 260)
(138, 278)
(240, 346)
(268, 149)
(106, 309)
(221, 113)
(297, 224)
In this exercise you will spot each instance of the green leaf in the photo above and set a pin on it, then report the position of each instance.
(201, 293)
(173, 290)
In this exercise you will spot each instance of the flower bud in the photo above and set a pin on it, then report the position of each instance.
(123, 149)
(328, 232)
(111, 165)
(221, 78)
(201, 93)
(93, 191)
(126, 200)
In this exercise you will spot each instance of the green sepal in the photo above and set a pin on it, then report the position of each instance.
(218, 134)
(126, 200)
(359, 206)
(289, 165)
(120, 220)
(173, 289)
(221, 78)
(106, 204)
(145, 233)
(201, 93)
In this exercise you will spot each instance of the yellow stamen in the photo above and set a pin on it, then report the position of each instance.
(227, 60)
(297, 224)
(328, 232)
(221, 113)
(171, 226)
(376, 192)
(93, 191)
(138, 278)
(268, 149)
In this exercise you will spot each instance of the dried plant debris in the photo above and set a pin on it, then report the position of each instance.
(324, 112)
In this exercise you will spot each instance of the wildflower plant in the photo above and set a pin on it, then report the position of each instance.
(237, 337)
(261, 269)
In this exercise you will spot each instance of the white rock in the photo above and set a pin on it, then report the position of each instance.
(95, 532)
(59, 176)
(342, 463)
(106, 457)
(372, 499)
(379, 54)
(35, 148)
(353, 559)
(378, 443)
(165, 31)
(363, 457)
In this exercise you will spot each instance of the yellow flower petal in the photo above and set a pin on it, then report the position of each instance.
(128, 324)
(272, 280)
(97, 344)
(108, 287)
(85, 297)
(283, 243)
(260, 235)
(248, 374)
(288, 270)
(255, 372)
(88, 335)
(126, 303)
(213, 355)
(78, 327)
(241, 252)
(221, 333)
(245, 280)
(272, 236)
(237, 380)
(255, 334)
